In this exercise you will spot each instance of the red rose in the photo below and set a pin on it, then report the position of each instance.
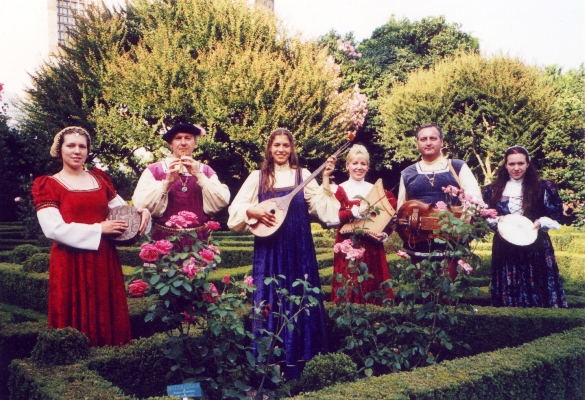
(213, 225)
(149, 252)
(226, 279)
(137, 288)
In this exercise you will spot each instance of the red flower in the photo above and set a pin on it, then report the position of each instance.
(137, 288)
(212, 295)
(207, 255)
(212, 225)
(226, 279)
(163, 246)
(149, 252)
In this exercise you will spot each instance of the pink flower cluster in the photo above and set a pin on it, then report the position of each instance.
(346, 247)
(465, 267)
(248, 280)
(467, 200)
(402, 254)
(149, 252)
(183, 219)
(354, 111)
(348, 48)
(137, 288)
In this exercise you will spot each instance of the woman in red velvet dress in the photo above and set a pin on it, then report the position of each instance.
(86, 285)
(357, 164)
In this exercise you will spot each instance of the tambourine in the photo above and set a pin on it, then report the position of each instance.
(132, 218)
(516, 229)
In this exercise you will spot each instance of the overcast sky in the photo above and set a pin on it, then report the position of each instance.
(540, 32)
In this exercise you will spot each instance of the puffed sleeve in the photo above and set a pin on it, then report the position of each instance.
(553, 205)
(246, 198)
(150, 194)
(110, 190)
(216, 195)
(46, 199)
(321, 200)
(345, 215)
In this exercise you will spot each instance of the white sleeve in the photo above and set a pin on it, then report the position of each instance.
(80, 236)
(216, 195)
(322, 201)
(246, 198)
(469, 184)
(547, 223)
(401, 194)
(150, 194)
(116, 202)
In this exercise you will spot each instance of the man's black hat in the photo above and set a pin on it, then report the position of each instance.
(182, 128)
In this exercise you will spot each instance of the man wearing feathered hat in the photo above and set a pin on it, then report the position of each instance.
(180, 183)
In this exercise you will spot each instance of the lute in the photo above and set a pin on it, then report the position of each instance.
(278, 206)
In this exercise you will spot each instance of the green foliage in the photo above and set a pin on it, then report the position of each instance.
(124, 76)
(21, 253)
(60, 347)
(483, 105)
(36, 263)
(328, 369)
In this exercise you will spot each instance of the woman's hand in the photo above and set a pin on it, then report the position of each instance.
(537, 224)
(144, 220)
(262, 215)
(330, 167)
(114, 227)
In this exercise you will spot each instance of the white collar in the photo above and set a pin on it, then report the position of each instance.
(283, 167)
(354, 188)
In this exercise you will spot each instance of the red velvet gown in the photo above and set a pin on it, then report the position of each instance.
(374, 257)
(86, 287)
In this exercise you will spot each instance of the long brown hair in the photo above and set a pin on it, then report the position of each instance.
(267, 169)
(531, 187)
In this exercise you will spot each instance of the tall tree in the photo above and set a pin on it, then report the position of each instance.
(128, 74)
(484, 106)
(394, 50)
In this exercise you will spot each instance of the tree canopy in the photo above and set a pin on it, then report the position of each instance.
(129, 74)
(484, 105)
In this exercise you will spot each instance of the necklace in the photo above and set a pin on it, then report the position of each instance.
(431, 179)
(184, 184)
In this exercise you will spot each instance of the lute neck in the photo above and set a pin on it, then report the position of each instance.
(318, 170)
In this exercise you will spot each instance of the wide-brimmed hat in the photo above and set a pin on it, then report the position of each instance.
(183, 128)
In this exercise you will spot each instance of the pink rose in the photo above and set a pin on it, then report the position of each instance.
(249, 280)
(226, 279)
(213, 225)
(452, 190)
(149, 252)
(189, 217)
(213, 248)
(465, 267)
(441, 205)
(354, 254)
(17, 199)
(207, 255)
(212, 295)
(163, 246)
(190, 269)
(177, 222)
(465, 197)
(489, 213)
(402, 254)
(137, 288)
(346, 246)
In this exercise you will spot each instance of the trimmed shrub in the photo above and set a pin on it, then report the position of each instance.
(22, 252)
(60, 347)
(36, 263)
(327, 369)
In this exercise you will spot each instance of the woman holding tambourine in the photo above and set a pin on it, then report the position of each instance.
(86, 284)
(344, 285)
(524, 267)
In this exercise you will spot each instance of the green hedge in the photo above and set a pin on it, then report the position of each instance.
(26, 290)
(548, 368)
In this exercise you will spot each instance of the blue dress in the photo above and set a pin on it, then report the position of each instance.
(527, 276)
(290, 252)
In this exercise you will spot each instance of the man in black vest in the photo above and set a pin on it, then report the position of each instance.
(425, 179)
